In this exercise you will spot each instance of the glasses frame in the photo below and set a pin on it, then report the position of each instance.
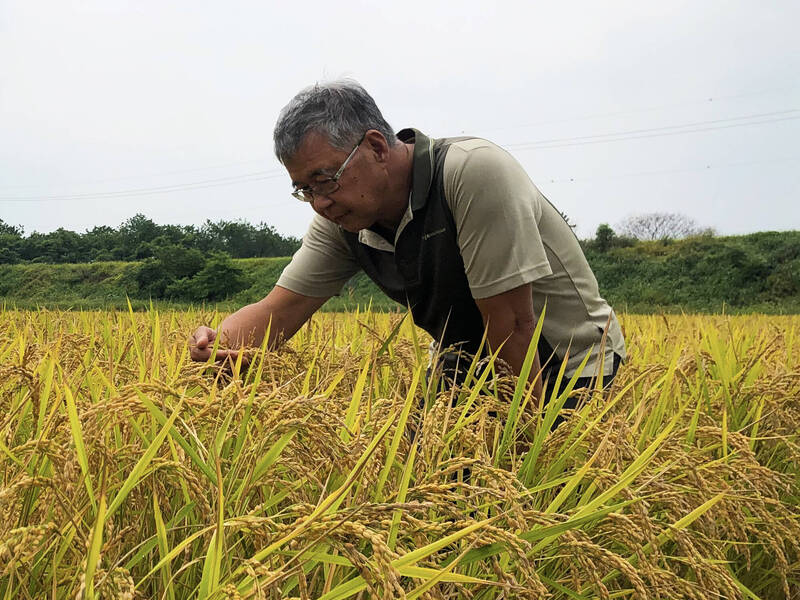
(307, 194)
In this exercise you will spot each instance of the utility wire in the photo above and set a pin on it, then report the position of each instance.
(707, 167)
(208, 183)
(145, 175)
(672, 127)
(695, 127)
(658, 131)
(712, 98)
(541, 181)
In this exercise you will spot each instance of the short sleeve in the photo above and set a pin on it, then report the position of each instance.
(322, 265)
(497, 210)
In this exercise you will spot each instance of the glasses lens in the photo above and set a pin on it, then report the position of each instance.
(303, 195)
(323, 188)
(326, 187)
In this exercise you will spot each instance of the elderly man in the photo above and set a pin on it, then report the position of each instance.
(451, 227)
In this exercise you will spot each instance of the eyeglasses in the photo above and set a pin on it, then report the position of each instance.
(327, 186)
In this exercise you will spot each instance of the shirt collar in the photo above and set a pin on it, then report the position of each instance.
(422, 174)
(421, 178)
(370, 238)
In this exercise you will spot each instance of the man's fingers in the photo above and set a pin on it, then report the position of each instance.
(199, 343)
(204, 336)
(232, 354)
(199, 354)
(203, 354)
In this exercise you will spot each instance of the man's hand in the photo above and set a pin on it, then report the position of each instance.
(283, 310)
(201, 343)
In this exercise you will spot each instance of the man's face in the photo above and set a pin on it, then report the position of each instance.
(355, 204)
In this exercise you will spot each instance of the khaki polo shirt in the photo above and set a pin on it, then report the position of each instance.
(508, 234)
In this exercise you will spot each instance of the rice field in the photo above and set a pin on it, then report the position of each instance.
(335, 469)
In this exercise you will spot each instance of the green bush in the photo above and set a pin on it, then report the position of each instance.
(170, 265)
(219, 279)
(785, 279)
(152, 279)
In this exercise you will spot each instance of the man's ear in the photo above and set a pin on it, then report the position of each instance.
(377, 145)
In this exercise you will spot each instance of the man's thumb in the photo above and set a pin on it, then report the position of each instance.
(202, 338)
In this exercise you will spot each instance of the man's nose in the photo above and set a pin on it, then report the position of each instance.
(321, 202)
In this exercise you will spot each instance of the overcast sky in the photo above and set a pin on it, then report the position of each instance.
(108, 109)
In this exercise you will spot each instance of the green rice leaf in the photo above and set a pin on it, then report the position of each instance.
(139, 469)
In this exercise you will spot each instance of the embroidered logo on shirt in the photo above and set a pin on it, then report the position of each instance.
(433, 233)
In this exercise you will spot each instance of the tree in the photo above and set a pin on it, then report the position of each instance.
(220, 278)
(661, 226)
(604, 238)
(136, 231)
(101, 241)
(171, 263)
(10, 238)
(58, 246)
(12, 230)
(140, 238)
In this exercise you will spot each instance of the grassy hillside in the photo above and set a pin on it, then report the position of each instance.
(109, 285)
(757, 272)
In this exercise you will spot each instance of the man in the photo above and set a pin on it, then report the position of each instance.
(453, 228)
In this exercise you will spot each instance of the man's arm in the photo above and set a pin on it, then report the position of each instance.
(510, 321)
(287, 311)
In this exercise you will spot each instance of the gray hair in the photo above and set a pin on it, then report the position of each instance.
(341, 110)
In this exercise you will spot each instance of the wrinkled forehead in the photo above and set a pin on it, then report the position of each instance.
(315, 157)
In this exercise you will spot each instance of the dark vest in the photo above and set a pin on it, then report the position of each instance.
(426, 272)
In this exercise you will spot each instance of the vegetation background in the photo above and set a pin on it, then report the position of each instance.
(228, 264)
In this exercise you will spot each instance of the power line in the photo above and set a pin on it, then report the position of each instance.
(695, 127)
(145, 175)
(539, 180)
(669, 127)
(208, 183)
(707, 167)
(657, 131)
(712, 98)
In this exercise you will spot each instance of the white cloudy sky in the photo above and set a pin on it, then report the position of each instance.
(110, 108)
